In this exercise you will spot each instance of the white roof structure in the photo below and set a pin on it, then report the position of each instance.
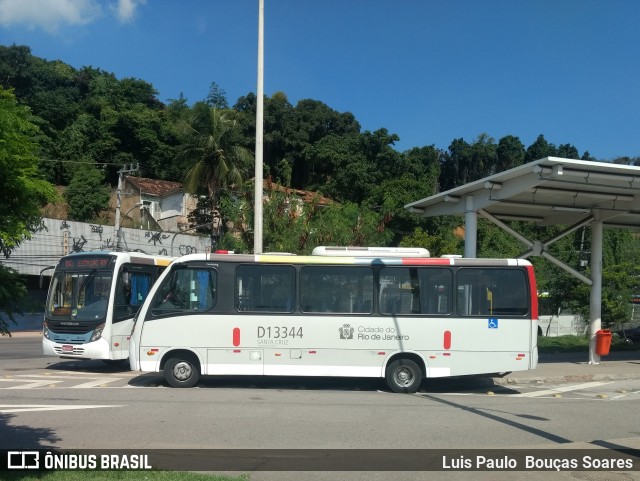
(549, 191)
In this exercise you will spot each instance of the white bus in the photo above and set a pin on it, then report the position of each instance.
(92, 299)
(399, 318)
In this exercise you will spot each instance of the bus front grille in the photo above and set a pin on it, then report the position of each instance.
(65, 351)
(70, 328)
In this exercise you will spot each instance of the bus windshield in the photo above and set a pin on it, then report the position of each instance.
(80, 296)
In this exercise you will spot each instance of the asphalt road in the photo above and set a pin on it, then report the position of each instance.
(47, 402)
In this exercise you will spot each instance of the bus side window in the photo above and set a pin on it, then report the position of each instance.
(132, 289)
(265, 288)
(140, 286)
(337, 289)
(510, 293)
(492, 292)
(399, 291)
(437, 289)
(190, 290)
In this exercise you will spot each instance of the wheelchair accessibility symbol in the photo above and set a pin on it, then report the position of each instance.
(493, 323)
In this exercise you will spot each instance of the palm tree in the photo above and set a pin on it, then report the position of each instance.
(214, 162)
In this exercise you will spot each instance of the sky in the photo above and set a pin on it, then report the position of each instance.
(430, 71)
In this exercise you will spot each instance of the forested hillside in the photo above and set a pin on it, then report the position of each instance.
(90, 124)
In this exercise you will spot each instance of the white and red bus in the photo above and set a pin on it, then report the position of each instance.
(92, 299)
(355, 312)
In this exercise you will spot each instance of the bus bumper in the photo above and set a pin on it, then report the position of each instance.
(92, 350)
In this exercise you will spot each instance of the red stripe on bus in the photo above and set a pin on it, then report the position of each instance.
(446, 342)
(533, 292)
(236, 336)
(432, 261)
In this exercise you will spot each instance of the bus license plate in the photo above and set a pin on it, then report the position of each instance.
(67, 348)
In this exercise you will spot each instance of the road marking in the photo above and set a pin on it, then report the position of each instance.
(98, 382)
(8, 408)
(34, 381)
(571, 387)
(30, 384)
(57, 376)
(625, 394)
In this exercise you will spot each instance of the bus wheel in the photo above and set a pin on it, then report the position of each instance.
(181, 371)
(403, 376)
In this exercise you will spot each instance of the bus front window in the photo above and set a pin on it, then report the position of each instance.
(81, 296)
(60, 296)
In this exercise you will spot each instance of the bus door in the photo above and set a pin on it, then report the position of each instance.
(133, 284)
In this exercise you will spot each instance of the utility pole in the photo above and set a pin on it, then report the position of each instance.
(124, 170)
(257, 221)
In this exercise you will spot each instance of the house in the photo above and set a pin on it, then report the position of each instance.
(162, 205)
(296, 197)
(152, 203)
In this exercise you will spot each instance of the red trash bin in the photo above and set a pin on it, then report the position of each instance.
(603, 342)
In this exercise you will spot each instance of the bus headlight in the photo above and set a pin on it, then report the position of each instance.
(97, 333)
(45, 330)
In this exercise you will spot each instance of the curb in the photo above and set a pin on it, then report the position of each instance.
(505, 381)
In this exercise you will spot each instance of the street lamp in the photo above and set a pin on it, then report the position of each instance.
(119, 226)
(258, 174)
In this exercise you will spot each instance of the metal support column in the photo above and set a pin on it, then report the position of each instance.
(470, 228)
(595, 304)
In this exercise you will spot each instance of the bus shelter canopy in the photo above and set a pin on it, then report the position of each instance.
(549, 191)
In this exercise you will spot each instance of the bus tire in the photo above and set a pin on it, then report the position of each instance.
(403, 376)
(181, 371)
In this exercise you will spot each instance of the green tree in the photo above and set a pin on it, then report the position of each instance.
(13, 295)
(346, 224)
(510, 153)
(464, 162)
(437, 245)
(22, 194)
(454, 170)
(568, 151)
(87, 194)
(215, 161)
(539, 150)
(217, 97)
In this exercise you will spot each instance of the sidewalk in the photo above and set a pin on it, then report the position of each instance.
(575, 367)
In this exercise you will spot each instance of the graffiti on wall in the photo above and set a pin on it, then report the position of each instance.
(97, 229)
(78, 244)
(156, 237)
(185, 250)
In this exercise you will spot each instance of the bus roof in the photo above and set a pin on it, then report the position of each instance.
(134, 256)
(353, 260)
(356, 251)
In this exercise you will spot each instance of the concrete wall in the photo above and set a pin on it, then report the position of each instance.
(60, 237)
(563, 325)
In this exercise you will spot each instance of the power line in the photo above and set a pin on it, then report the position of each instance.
(97, 164)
